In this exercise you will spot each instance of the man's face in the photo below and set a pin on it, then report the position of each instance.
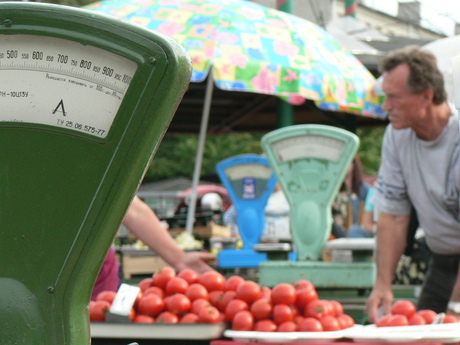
(404, 108)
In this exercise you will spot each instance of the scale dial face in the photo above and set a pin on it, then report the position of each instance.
(308, 146)
(241, 171)
(61, 83)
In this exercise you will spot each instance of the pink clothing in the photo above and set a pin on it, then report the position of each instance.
(108, 278)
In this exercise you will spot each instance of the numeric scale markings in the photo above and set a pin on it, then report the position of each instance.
(61, 71)
(62, 83)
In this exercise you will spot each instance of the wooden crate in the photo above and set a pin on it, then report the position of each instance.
(206, 232)
(139, 262)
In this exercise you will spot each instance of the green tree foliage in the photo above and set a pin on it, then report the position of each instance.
(370, 148)
(177, 153)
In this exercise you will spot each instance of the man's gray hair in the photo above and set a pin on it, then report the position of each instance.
(424, 72)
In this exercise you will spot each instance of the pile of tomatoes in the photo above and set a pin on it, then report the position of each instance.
(404, 313)
(186, 297)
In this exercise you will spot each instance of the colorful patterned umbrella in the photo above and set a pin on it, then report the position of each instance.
(258, 49)
(254, 48)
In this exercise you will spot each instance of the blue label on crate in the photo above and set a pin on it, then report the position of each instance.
(249, 188)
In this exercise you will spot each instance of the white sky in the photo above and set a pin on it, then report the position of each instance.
(438, 15)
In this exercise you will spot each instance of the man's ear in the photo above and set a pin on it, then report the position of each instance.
(428, 95)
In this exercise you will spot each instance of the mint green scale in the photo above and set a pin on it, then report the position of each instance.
(85, 100)
(310, 162)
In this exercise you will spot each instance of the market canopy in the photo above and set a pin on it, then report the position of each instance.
(253, 48)
(241, 46)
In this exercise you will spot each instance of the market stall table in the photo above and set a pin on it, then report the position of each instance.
(125, 333)
(445, 333)
(230, 342)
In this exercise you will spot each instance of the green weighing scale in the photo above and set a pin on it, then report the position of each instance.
(85, 101)
(310, 162)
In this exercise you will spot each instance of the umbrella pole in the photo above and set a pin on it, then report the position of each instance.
(199, 153)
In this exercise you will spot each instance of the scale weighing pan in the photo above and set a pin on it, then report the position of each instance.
(86, 99)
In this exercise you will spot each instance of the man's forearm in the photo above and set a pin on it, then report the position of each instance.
(391, 242)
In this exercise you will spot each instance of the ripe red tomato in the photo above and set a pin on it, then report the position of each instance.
(330, 323)
(232, 283)
(345, 321)
(403, 307)
(212, 280)
(97, 310)
(178, 304)
(143, 319)
(317, 309)
(215, 296)
(138, 298)
(261, 309)
(167, 317)
(156, 290)
(266, 293)
(151, 305)
(165, 299)
(337, 308)
(176, 285)
(295, 310)
(108, 296)
(427, 314)
(288, 326)
(132, 314)
(266, 325)
(160, 278)
(209, 315)
(145, 283)
(233, 307)
(310, 324)
(384, 321)
(305, 296)
(298, 319)
(225, 299)
(198, 304)
(195, 291)
(248, 291)
(450, 319)
(416, 319)
(283, 293)
(243, 321)
(282, 313)
(190, 276)
(304, 285)
(189, 318)
(398, 320)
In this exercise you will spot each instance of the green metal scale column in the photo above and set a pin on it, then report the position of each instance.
(85, 100)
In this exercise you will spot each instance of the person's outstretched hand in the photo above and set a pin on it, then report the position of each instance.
(379, 303)
(196, 261)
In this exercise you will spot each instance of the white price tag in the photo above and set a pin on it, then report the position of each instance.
(124, 301)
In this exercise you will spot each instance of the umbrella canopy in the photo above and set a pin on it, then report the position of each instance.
(253, 48)
(258, 49)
